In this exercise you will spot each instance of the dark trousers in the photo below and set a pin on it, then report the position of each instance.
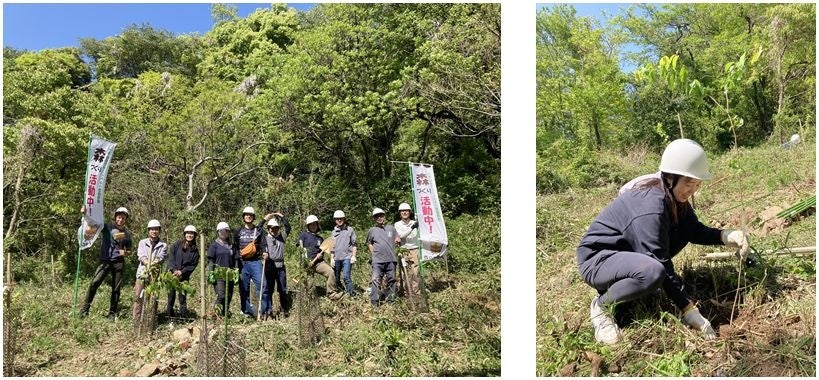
(275, 280)
(388, 271)
(219, 288)
(183, 303)
(105, 267)
(622, 276)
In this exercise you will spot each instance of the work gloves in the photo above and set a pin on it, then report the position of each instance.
(413, 224)
(692, 317)
(352, 260)
(736, 239)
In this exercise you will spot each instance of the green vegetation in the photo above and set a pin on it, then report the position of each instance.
(656, 343)
(297, 112)
(739, 79)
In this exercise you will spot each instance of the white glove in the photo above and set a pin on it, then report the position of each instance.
(736, 239)
(693, 318)
(332, 263)
(352, 260)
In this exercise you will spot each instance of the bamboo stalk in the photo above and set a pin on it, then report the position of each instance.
(800, 251)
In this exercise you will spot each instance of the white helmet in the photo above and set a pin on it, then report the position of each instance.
(685, 157)
(377, 211)
(311, 219)
(122, 210)
(338, 214)
(249, 210)
(222, 226)
(154, 224)
(404, 206)
(190, 228)
(273, 223)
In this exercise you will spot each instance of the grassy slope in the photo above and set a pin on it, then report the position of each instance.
(774, 330)
(459, 336)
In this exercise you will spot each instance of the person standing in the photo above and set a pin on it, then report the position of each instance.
(248, 241)
(222, 253)
(150, 251)
(344, 251)
(408, 233)
(116, 244)
(310, 241)
(381, 240)
(182, 262)
(275, 270)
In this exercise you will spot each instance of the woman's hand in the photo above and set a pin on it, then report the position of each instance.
(693, 318)
(736, 239)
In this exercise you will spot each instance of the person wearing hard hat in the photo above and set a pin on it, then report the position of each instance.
(248, 240)
(343, 255)
(116, 244)
(381, 240)
(222, 253)
(408, 233)
(275, 271)
(309, 242)
(182, 261)
(150, 252)
(627, 251)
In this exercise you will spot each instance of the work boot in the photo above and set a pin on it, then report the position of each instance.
(112, 316)
(84, 310)
(605, 329)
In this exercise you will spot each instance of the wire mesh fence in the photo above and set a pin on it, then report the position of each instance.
(308, 309)
(10, 324)
(221, 351)
(147, 321)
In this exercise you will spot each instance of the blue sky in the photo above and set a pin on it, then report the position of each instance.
(603, 12)
(44, 26)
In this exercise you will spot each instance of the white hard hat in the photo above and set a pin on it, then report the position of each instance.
(377, 211)
(154, 224)
(190, 228)
(338, 214)
(249, 210)
(404, 206)
(685, 157)
(311, 219)
(273, 223)
(222, 226)
(122, 210)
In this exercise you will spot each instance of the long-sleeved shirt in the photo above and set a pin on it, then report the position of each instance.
(637, 221)
(409, 236)
(345, 242)
(382, 238)
(109, 249)
(311, 242)
(183, 260)
(148, 251)
(244, 236)
(222, 254)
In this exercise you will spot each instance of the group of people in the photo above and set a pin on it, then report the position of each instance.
(257, 252)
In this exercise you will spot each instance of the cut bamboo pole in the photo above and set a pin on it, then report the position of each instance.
(800, 251)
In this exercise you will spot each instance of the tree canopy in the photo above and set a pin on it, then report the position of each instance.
(725, 75)
(283, 110)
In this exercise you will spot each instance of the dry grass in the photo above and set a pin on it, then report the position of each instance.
(773, 331)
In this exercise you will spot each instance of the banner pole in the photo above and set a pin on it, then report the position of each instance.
(79, 244)
(418, 236)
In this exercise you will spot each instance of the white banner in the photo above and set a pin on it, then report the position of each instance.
(428, 212)
(99, 158)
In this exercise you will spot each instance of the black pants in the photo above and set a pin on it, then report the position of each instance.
(115, 268)
(219, 287)
(183, 303)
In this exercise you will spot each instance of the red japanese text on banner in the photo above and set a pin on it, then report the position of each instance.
(99, 158)
(431, 224)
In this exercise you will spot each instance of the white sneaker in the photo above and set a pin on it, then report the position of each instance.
(605, 329)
